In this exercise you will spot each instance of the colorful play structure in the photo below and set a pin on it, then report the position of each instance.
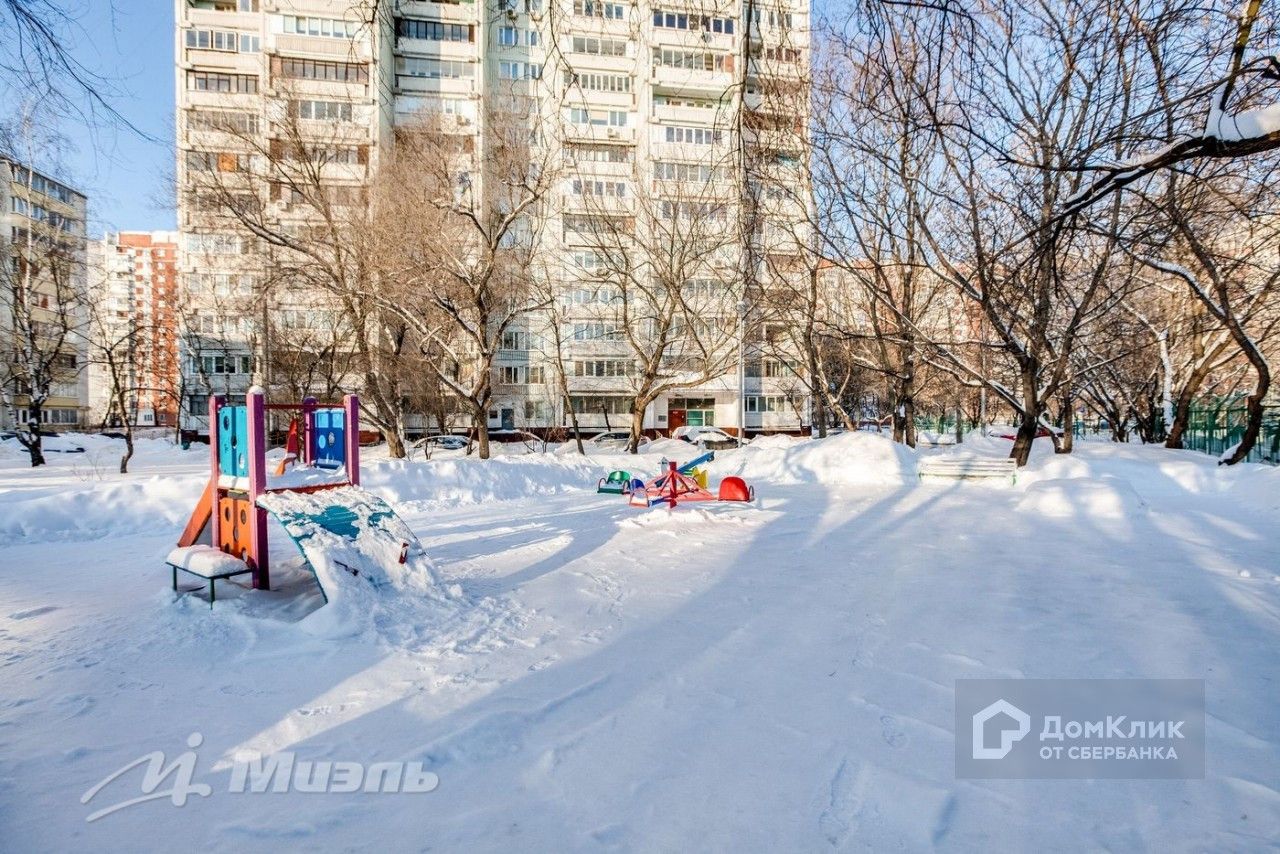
(678, 483)
(314, 493)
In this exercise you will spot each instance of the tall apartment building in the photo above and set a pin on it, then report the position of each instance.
(134, 287)
(642, 100)
(42, 284)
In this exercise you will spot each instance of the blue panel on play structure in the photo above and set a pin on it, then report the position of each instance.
(233, 441)
(331, 445)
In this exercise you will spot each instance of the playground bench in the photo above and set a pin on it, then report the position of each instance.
(966, 468)
(207, 563)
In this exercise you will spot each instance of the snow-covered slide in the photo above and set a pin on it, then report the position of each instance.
(363, 554)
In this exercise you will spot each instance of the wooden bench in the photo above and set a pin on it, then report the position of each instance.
(207, 563)
(965, 468)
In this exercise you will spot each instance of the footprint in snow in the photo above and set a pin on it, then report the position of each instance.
(893, 735)
(34, 612)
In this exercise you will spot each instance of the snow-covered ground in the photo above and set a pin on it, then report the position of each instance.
(720, 677)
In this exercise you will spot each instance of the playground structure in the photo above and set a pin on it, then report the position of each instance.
(318, 503)
(686, 482)
(617, 483)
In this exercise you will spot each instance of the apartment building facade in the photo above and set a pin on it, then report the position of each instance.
(693, 113)
(42, 286)
(133, 282)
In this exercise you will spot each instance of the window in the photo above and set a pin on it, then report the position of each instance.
(314, 69)
(595, 404)
(329, 27)
(681, 21)
(599, 118)
(519, 70)
(698, 411)
(437, 31)
(409, 66)
(695, 60)
(325, 111)
(216, 244)
(604, 368)
(770, 403)
(222, 120)
(776, 368)
(588, 187)
(537, 375)
(208, 81)
(599, 47)
(585, 153)
(699, 172)
(514, 340)
(595, 331)
(599, 9)
(693, 136)
(595, 82)
(217, 161)
(508, 36)
(229, 41)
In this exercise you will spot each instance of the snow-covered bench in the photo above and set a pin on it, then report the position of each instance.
(205, 562)
(963, 468)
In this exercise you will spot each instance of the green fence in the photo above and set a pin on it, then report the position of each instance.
(1215, 427)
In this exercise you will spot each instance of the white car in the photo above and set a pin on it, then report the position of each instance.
(615, 440)
(705, 437)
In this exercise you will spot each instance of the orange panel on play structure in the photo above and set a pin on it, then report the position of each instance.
(233, 526)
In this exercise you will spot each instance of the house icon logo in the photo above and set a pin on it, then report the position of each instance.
(1009, 735)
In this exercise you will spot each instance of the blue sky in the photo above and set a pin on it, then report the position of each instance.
(124, 175)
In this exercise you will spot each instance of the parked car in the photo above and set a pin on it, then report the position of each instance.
(712, 438)
(445, 442)
(615, 440)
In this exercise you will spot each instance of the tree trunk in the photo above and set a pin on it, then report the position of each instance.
(481, 421)
(637, 428)
(1068, 426)
(128, 447)
(1253, 409)
(1182, 407)
(395, 445)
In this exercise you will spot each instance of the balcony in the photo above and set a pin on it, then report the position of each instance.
(343, 50)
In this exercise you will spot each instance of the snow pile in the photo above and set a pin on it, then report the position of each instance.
(476, 481)
(1110, 498)
(846, 459)
(142, 505)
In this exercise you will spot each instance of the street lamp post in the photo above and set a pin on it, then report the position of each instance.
(742, 372)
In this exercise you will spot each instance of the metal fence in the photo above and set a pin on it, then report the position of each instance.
(1213, 427)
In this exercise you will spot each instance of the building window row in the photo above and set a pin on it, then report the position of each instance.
(599, 118)
(515, 37)
(610, 189)
(599, 9)
(315, 69)
(595, 82)
(435, 31)
(222, 120)
(329, 27)
(676, 171)
(587, 153)
(212, 81)
(693, 136)
(229, 41)
(604, 368)
(325, 111)
(694, 60)
(37, 183)
(599, 47)
(682, 21)
(409, 66)
(596, 404)
(510, 70)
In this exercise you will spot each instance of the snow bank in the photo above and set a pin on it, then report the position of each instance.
(145, 505)
(846, 459)
(476, 481)
(1099, 498)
